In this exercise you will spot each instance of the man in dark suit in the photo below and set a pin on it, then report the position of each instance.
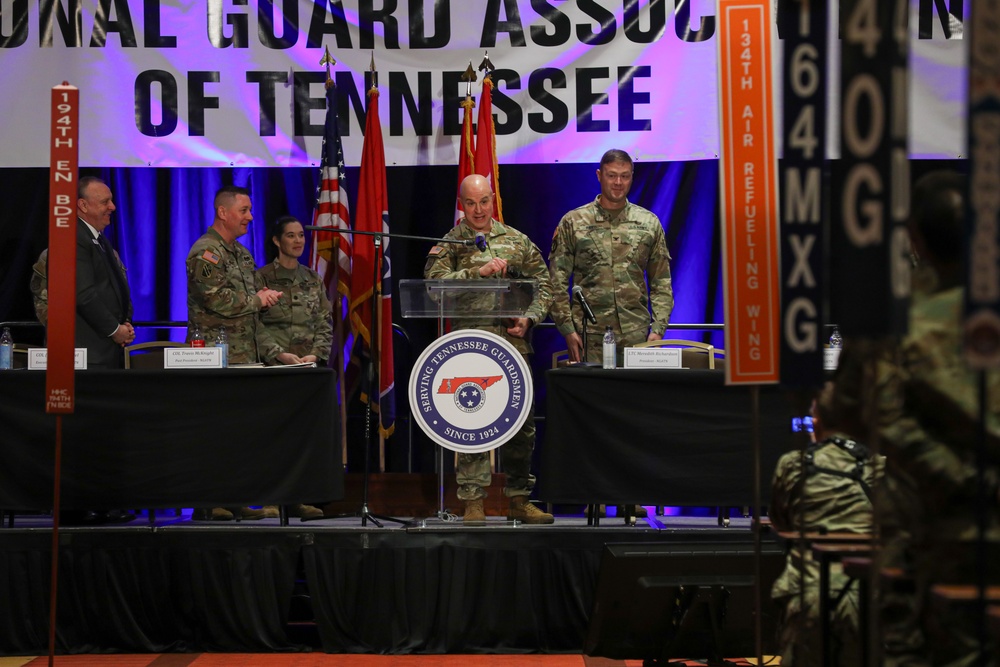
(103, 304)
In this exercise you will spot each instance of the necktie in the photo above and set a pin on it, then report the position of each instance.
(109, 257)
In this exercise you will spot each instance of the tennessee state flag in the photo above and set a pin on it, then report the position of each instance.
(466, 153)
(373, 216)
(331, 253)
(486, 145)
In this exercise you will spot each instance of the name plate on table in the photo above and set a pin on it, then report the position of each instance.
(831, 357)
(652, 357)
(38, 358)
(192, 357)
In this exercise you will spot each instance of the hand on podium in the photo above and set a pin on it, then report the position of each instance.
(518, 326)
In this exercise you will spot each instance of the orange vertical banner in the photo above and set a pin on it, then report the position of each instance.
(748, 179)
(63, 170)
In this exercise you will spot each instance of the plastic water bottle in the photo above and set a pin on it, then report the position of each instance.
(609, 348)
(222, 342)
(197, 339)
(835, 339)
(6, 350)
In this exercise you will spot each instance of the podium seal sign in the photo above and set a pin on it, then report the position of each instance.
(470, 391)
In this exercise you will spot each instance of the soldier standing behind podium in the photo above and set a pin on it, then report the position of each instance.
(224, 289)
(509, 253)
(617, 253)
(103, 303)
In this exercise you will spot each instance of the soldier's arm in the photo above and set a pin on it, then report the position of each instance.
(533, 267)
(442, 263)
(661, 291)
(267, 347)
(323, 329)
(209, 285)
(783, 485)
(561, 260)
(933, 463)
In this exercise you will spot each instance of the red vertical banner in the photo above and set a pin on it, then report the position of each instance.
(748, 167)
(63, 169)
(486, 145)
(466, 154)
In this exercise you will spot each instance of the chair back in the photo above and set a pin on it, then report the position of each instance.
(560, 359)
(148, 356)
(19, 358)
(694, 354)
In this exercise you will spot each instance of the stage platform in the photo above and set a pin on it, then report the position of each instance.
(331, 585)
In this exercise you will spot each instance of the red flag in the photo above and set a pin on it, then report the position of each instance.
(486, 148)
(373, 216)
(466, 153)
(332, 210)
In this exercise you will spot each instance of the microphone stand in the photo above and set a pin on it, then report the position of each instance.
(373, 374)
(583, 323)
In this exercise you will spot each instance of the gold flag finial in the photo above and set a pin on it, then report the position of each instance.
(469, 76)
(328, 60)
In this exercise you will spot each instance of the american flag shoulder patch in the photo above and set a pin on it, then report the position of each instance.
(210, 256)
(436, 250)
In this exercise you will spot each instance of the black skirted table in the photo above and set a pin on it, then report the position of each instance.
(184, 438)
(663, 437)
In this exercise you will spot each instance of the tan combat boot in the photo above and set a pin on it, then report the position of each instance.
(474, 512)
(526, 512)
(305, 511)
(270, 511)
(249, 513)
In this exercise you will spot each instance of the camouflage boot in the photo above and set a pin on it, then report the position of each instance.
(474, 512)
(526, 512)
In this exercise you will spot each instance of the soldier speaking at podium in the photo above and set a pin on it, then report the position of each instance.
(502, 252)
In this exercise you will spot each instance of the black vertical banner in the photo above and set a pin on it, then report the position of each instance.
(982, 295)
(804, 209)
(870, 258)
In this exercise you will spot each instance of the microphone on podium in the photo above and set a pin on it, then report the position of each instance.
(480, 241)
(587, 312)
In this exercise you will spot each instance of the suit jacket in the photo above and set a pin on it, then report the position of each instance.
(102, 300)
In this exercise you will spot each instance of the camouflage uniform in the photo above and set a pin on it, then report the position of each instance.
(813, 499)
(222, 292)
(611, 255)
(926, 415)
(457, 262)
(301, 322)
(40, 287)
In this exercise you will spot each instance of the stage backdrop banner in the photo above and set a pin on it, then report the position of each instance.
(226, 82)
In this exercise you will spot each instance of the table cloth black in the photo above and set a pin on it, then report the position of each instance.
(664, 437)
(185, 438)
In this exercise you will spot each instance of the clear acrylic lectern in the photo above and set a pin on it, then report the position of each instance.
(485, 299)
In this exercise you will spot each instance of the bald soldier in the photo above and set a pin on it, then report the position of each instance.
(508, 253)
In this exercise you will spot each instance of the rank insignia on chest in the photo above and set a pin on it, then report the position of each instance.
(210, 256)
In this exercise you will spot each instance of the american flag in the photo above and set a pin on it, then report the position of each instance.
(333, 210)
(373, 216)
